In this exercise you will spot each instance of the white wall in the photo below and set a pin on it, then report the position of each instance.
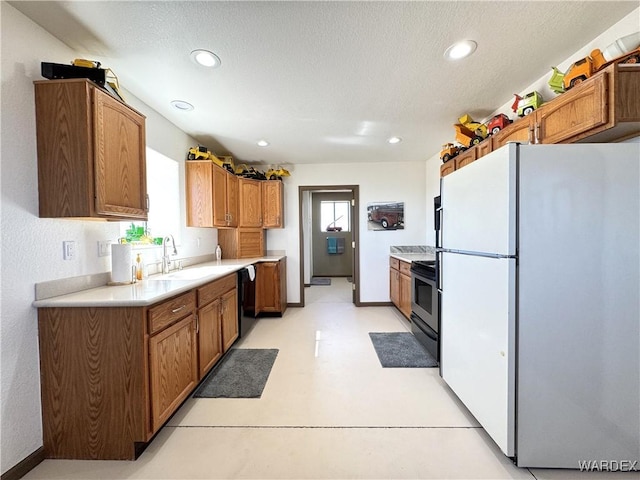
(402, 182)
(32, 247)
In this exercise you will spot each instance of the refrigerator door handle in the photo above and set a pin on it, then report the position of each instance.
(479, 254)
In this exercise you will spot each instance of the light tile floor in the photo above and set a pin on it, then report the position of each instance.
(328, 411)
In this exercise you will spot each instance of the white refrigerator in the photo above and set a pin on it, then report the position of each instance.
(540, 318)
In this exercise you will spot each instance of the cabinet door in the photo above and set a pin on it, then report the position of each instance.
(232, 200)
(209, 336)
(268, 297)
(465, 158)
(394, 287)
(250, 192)
(219, 196)
(272, 204)
(483, 148)
(229, 314)
(447, 168)
(405, 295)
(173, 368)
(199, 180)
(120, 165)
(573, 113)
(518, 131)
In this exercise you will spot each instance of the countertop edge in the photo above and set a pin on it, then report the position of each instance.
(410, 257)
(138, 294)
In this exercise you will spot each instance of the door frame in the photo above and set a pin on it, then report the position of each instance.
(355, 230)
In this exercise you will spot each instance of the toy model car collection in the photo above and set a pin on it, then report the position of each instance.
(523, 106)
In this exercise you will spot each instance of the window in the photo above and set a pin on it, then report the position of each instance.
(334, 216)
(163, 188)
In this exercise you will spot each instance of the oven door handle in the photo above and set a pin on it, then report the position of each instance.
(429, 332)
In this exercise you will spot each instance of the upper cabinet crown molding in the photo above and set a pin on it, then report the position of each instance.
(91, 153)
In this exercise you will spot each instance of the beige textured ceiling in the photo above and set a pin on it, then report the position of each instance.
(324, 81)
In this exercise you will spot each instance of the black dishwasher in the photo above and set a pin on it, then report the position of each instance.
(246, 299)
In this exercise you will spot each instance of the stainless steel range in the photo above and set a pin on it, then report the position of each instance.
(425, 305)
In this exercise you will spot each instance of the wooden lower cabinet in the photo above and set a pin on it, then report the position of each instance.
(271, 287)
(173, 368)
(95, 394)
(209, 337)
(400, 285)
(112, 376)
(229, 318)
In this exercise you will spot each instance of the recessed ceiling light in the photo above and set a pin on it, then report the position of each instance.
(263, 143)
(460, 50)
(182, 105)
(205, 58)
(394, 140)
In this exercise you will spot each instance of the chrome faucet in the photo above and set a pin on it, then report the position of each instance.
(166, 257)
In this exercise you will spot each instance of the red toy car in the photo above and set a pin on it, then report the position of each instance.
(497, 123)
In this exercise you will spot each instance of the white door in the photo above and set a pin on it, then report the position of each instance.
(477, 336)
(478, 204)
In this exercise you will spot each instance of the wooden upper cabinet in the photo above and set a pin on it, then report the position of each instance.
(91, 153)
(199, 193)
(212, 195)
(250, 205)
(519, 131)
(579, 110)
(483, 148)
(465, 158)
(448, 167)
(225, 198)
(272, 204)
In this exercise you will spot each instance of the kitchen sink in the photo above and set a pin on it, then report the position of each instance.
(195, 273)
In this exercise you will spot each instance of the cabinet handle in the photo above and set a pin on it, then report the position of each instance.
(530, 135)
(176, 310)
(148, 202)
(197, 324)
(537, 133)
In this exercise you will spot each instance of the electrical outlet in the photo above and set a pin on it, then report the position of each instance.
(69, 250)
(104, 248)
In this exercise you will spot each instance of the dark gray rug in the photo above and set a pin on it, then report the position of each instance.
(401, 350)
(320, 281)
(243, 373)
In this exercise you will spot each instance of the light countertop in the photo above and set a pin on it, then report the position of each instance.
(411, 257)
(153, 289)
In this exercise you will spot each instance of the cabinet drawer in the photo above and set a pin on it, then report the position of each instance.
(216, 289)
(394, 263)
(168, 312)
(405, 268)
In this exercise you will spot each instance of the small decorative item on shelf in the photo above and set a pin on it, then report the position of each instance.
(199, 152)
(556, 81)
(277, 173)
(497, 123)
(523, 106)
(243, 170)
(624, 50)
(449, 150)
(468, 132)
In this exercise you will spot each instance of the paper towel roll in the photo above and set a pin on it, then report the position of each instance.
(121, 263)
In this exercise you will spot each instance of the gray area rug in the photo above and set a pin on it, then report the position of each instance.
(401, 350)
(320, 281)
(243, 373)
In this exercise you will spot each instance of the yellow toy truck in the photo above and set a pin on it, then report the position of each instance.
(449, 150)
(468, 132)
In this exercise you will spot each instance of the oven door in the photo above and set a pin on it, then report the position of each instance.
(424, 299)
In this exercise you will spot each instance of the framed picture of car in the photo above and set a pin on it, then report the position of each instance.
(385, 215)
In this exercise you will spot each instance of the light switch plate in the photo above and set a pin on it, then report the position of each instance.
(104, 248)
(69, 250)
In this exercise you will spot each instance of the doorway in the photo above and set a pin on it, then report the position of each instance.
(329, 243)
